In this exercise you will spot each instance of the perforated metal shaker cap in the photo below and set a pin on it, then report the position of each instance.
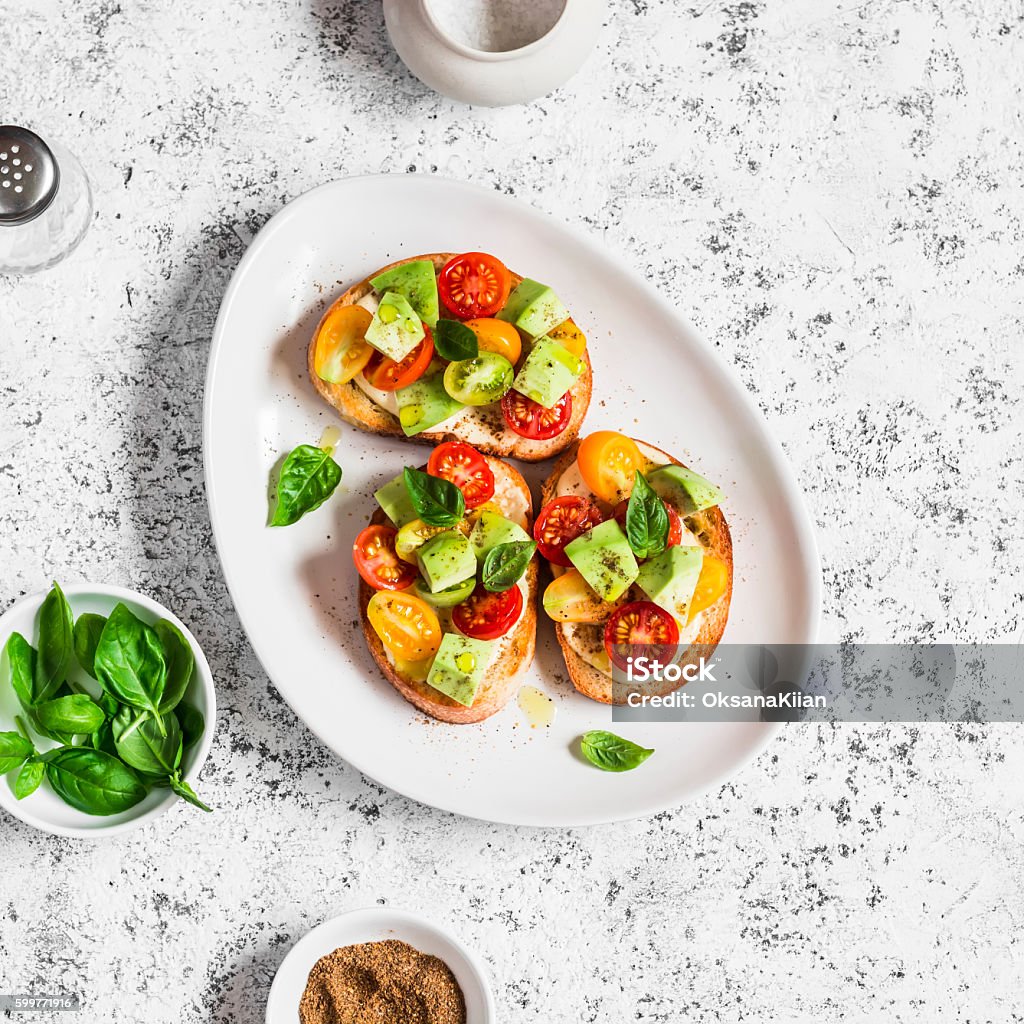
(29, 175)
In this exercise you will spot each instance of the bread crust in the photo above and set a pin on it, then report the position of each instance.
(713, 529)
(356, 408)
(503, 675)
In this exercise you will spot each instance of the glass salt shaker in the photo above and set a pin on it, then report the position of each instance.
(45, 202)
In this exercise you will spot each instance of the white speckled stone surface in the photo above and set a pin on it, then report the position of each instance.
(831, 190)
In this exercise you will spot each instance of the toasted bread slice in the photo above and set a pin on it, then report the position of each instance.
(713, 532)
(489, 435)
(516, 648)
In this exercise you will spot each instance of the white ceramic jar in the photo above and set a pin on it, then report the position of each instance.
(424, 33)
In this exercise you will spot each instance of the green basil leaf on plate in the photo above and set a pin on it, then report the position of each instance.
(647, 522)
(612, 753)
(76, 714)
(308, 478)
(180, 664)
(437, 502)
(14, 751)
(130, 661)
(86, 639)
(56, 645)
(21, 656)
(505, 564)
(92, 781)
(29, 778)
(454, 341)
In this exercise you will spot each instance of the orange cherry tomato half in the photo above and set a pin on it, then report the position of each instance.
(473, 285)
(675, 524)
(570, 598)
(640, 628)
(388, 375)
(569, 336)
(341, 346)
(608, 463)
(487, 616)
(378, 562)
(407, 626)
(531, 420)
(563, 520)
(497, 336)
(711, 584)
(462, 465)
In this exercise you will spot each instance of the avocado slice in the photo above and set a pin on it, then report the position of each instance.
(446, 560)
(534, 309)
(416, 281)
(394, 499)
(395, 329)
(691, 491)
(492, 529)
(547, 372)
(669, 579)
(459, 667)
(605, 560)
(424, 404)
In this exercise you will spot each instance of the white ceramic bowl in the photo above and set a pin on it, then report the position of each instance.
(44, 809)
(373, 925)
(486, 77)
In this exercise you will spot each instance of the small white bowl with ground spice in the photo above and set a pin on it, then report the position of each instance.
(382, 966)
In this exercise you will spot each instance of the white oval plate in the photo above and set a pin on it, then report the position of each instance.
(295, 588)
(376, 924)
(44, 809)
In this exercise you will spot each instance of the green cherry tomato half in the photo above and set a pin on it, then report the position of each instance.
(479, 381)
(445, 598)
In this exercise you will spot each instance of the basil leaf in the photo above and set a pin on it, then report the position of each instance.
(77, 714)
(454, 340)
(308, 478)
(130, 662)
(14, 750)
(505, 564)
(180, 664)
(56, 645)
(148, 744)
(186, 792)
(92, 781)
(87, 635)
(192, 723)
(437, 502)
(646, 519)
(21, 657)
(612, 753)
(29, 778)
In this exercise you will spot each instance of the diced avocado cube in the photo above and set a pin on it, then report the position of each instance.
(669, 579)
(417, 282)
(492, 529)
(459, 666)
(681, 487)
(604, 559)
(533, 308)
(395, 328)
(445, 560)
(425, 403)
(547, 372)
(394, 499)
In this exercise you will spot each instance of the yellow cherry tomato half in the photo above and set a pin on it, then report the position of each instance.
(497, 336)
(608, 463)
(569, 598)
(341, 346)
(407, 626)
(570, 336)
(711, 584)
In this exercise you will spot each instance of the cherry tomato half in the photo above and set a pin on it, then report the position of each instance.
(486, 616)
(711, 584)
(407, 626)
(608, 463)
(640, 628)
(378, 563)
(387, 375)
(462, 465)
(531, 420)
(473, 285)
(563, 520)
(341, 346)
(675, 524)
(497, 336)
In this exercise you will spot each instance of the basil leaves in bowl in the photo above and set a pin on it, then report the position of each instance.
(107, 710)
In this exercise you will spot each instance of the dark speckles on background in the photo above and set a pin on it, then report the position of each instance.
(831, 192)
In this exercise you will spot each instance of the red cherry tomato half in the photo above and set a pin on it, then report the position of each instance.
(561, 521)
(486, 616)
(462, 465)
(378, 563)
(640, 628)
(675, 524)
(473, 285)
(386, 374)
(531, 420)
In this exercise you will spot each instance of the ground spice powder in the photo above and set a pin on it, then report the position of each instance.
(386, 982)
